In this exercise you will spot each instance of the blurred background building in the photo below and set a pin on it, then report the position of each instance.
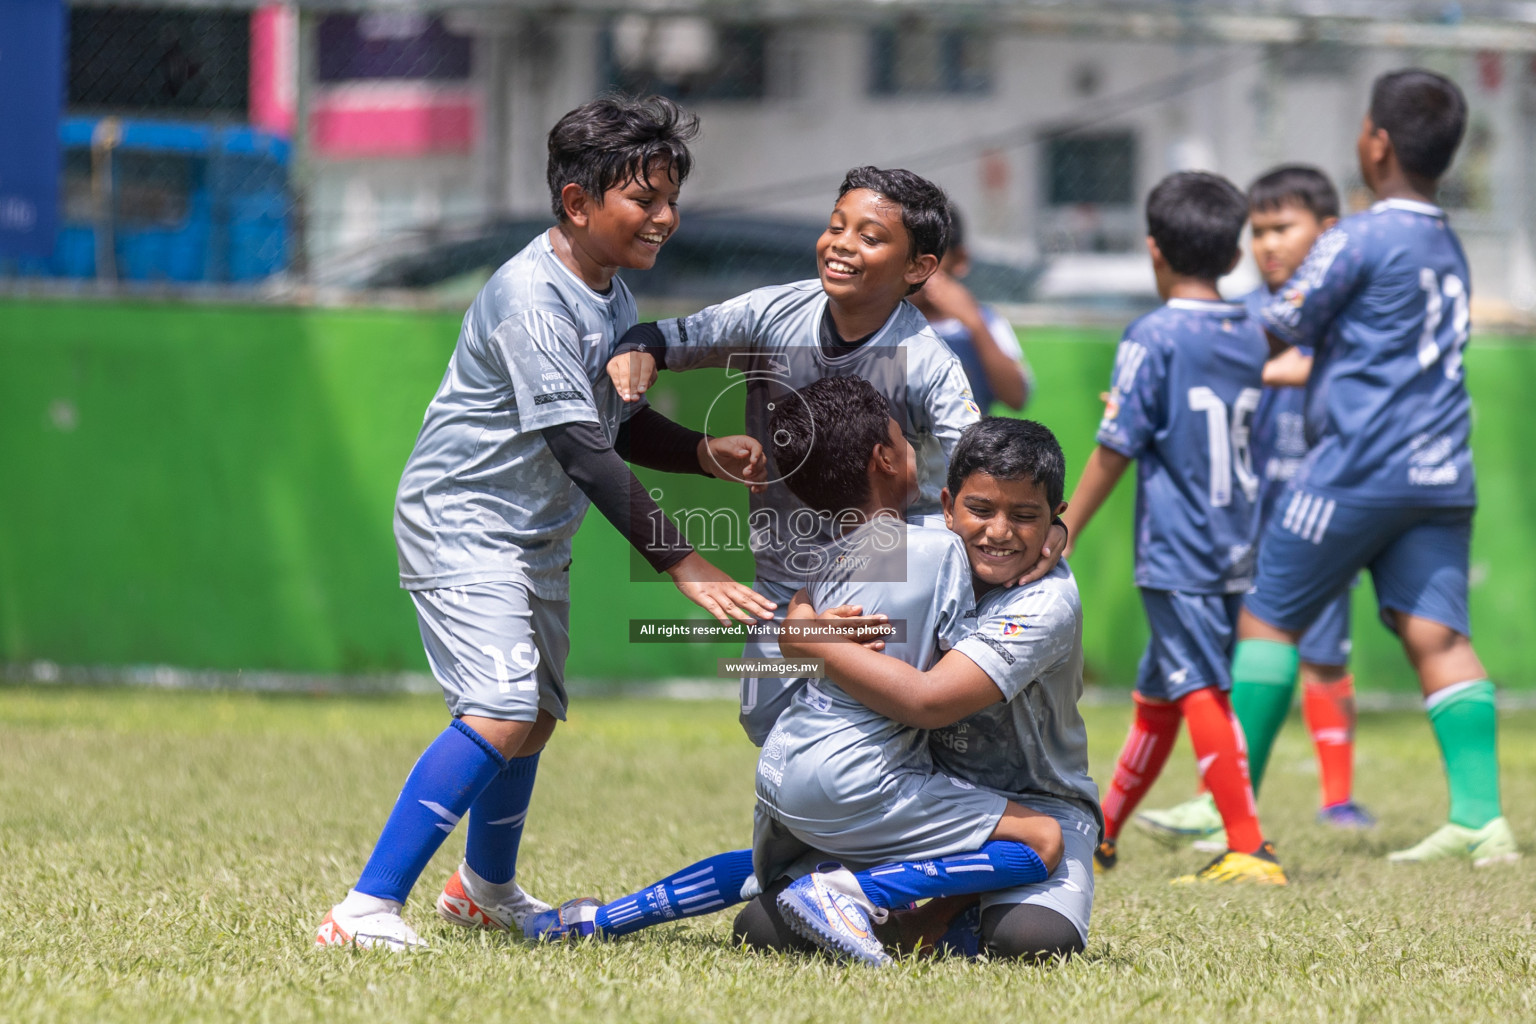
(355, 144)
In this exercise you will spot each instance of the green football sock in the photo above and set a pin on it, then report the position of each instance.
(1263, 681)
(1466, 726)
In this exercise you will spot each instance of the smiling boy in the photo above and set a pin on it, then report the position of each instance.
(884, 239)
(524, 432)
(1002, 703)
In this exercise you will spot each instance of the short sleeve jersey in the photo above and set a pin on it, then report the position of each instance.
(916, 574)
(1033, 744)
(1279, 436)
(482, 498)
(1384, 297)
(953, 333)
(768, 341)
(1186, 383)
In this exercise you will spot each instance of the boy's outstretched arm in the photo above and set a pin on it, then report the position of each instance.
(595, 467)
(1006, 377)
(953, 689)
(651, 440)
(1105, 468)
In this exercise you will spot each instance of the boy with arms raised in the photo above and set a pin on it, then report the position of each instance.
(886, 235)
(835, 778)
(1384, 298)
(524, 431)
(1186, 382)
(1288, 208)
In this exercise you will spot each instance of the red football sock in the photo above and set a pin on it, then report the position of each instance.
(1223, 761)
(1146, 750)
(1329, 709)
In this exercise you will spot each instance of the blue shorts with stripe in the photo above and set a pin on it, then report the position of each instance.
(1315, 545)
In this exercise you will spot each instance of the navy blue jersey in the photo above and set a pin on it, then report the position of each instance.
(1384, 298)
(1279, 437)
(1185, 386)
(953, 333)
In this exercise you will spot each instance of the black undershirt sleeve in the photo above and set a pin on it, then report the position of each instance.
(608, 483)
(651, 440)
(644, 338)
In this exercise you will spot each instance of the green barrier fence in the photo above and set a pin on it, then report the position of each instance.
(212, 487)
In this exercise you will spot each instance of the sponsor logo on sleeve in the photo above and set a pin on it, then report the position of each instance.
(1011, 625)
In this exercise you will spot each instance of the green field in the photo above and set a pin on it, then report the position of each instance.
(166, 856)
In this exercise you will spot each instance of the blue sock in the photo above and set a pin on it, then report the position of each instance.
(997, 865)
(496, 821)
(703, 888)
(447, 778)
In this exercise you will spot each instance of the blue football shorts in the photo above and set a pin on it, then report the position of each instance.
(1313, 546)
(1191, 644)
(1327, 640)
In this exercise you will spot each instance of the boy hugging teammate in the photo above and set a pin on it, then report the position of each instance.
(1005, 807)
(1384, 300)
(524, 432)
(886, 236)
(1288, 208)
(1186, 382)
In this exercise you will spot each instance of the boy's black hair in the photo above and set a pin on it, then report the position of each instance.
(612, 141)
(1424, 114)
(956, 229)
(1010, 449)
(1197, 220)
(1297, 184)
(925, 209)
(822, 438)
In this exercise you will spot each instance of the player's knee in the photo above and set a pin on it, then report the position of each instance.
(1040, 832)
(1023, 931)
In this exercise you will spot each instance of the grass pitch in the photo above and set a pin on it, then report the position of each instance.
(167, 856)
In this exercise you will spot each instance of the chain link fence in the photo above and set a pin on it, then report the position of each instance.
(295, 150)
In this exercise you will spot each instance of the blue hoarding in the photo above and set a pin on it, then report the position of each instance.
(31, 96)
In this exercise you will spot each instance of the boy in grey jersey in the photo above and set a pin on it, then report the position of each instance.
(1002, 704)
(885, 237)
(524, 431)
(835, 777)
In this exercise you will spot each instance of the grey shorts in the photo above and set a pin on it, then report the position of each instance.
(920, 817)
(1069, 890)
(497, 649)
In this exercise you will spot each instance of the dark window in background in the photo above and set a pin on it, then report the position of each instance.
(160, 61)
(1097, 169)
(695, 62)
(390, 44)
(918, 59)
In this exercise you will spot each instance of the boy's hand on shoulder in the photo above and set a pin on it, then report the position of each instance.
(632, 374)
(1054, 550)
(738, 458)
(949, 298)
(715, 592)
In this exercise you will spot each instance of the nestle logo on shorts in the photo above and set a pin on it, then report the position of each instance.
(784, 668)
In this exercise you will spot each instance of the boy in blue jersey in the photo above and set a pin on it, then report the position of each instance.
(1186, 382)
(524, 432)
(1288, 208)
(835, 777)
(1384, 299)
(885, 237)
(979, 336)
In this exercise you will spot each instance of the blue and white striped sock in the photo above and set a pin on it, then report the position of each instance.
(997, 865)
(703, 888)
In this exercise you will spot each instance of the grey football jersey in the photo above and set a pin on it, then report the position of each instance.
(828, 753)
(1033, 747)
(482, 499)
(769, 342)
